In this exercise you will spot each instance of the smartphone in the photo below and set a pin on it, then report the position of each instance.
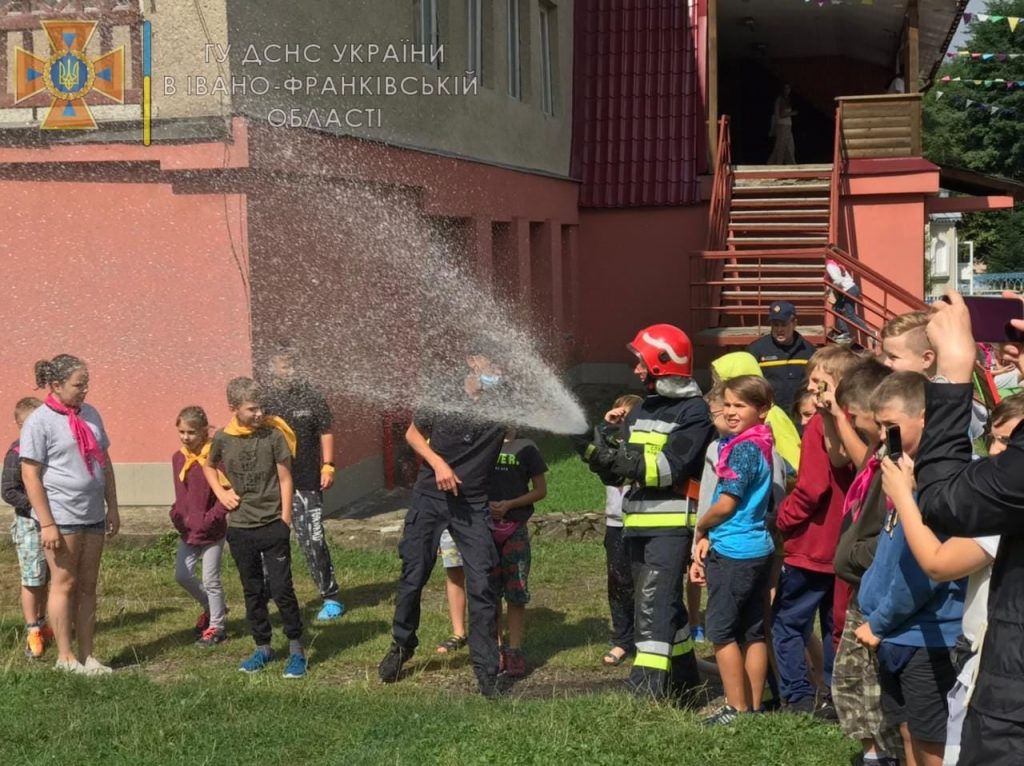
(822, 387)
(894, 441)
(990, 318)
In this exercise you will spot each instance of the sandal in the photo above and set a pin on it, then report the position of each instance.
(451, 644)
(612, 660)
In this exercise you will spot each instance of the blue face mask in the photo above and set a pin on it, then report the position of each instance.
(489, 381)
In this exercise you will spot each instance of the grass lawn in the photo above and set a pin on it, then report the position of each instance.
(171, 702)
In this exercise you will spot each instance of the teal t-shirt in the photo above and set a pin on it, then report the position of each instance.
(744, 535)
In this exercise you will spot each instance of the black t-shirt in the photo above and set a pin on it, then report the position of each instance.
(469, 446)
(518, 462)
(305, 409)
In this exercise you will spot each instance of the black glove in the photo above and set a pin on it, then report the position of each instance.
(628, 462)
(599, 454)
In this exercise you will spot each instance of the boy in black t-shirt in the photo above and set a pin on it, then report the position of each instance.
(452, 491)
(519, 465)
(303, 407)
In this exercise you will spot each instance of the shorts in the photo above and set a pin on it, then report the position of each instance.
(450, 556)
(25, 535)
(99, 528)
(915, 682)
(737, 598)
(514, 567)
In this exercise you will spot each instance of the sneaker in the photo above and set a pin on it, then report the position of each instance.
(494, 687)
(47, 632)
(725, 716)
(34, 644)
(256, 662)
(69, 666)
(330, 611)
(93, 667)
(390, 668)
(212, 637)
(515, 663)
(202, 622)
(826, 709)
(296, 668)
(698, 634)
(805, 705)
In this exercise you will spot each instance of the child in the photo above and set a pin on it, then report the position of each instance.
(953, 559)
(808, 521)
(911, 621)
(69, 480)
(804, 410)
(305, 409)
(257, 458)
(734, 548)
(455, 591)
(617, 564)
(202, 523)
(855, 690)
(25, 535)
(517, 483)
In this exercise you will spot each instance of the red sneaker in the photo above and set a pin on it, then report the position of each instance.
(515, 663)
(47, 633)
(202, 623)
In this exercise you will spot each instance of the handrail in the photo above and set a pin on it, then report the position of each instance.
(858, 268)
(721, 189)
(835, 189)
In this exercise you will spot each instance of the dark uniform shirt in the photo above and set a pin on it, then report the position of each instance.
(785, 367)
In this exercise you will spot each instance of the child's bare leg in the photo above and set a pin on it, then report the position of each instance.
(455, 587)
(516, 625)
(63, 564)
(693, 603)
(928, 753)
(755, 666)
(33, 603)
(909, 756)
(816, 661)
(730, 667)
(88, 575)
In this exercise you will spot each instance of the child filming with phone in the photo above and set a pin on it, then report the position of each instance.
(911, 621)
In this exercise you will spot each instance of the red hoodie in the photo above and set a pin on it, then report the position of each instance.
(810, 518)
(196, 513)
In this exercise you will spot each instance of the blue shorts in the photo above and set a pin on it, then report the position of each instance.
(99, 528)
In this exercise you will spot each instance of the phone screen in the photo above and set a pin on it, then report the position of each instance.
(894, 441)
(990, 318)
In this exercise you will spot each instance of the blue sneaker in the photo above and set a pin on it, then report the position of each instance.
(297, 664)
(257, 662)
(698, 634)
(331, 610)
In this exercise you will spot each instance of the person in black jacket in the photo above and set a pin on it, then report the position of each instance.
(783, 354)
(970, 499)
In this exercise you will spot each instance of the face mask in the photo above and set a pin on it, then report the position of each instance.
(489, 381)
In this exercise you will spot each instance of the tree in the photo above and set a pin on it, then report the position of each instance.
(984, 135)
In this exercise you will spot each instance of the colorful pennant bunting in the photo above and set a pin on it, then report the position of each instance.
(997, 82)
(975, 56)
(970, 103)
(1013, 21)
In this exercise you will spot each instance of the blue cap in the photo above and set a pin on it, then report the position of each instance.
(781, 311)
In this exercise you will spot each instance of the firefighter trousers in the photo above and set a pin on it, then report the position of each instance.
(665, 666)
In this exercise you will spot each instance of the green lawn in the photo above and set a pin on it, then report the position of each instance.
(171, 702)
(571, 485)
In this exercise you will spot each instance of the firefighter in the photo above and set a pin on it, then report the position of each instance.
(660, 454)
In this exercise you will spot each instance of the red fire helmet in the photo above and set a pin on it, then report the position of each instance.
(665, 350)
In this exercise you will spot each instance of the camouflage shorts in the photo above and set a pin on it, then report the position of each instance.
(856, 692)
(513, 570)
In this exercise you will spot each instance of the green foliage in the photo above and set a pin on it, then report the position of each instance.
(571, 485)
(975, 139)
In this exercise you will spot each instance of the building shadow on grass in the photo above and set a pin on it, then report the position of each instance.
(548, 633)
(137, 654)
(127, 619)
(363, 596)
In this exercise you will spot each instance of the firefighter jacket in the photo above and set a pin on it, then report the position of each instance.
(672, 435)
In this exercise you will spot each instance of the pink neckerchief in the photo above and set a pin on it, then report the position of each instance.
(87, 446)
(760, 435)
(858, 491)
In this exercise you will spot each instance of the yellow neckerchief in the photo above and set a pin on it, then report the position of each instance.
(234, 428)
(199, 458)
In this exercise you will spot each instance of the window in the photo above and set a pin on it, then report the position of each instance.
(547, 79)
(427, 33)
(515, 82)
(475, 43)
(940, 254)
